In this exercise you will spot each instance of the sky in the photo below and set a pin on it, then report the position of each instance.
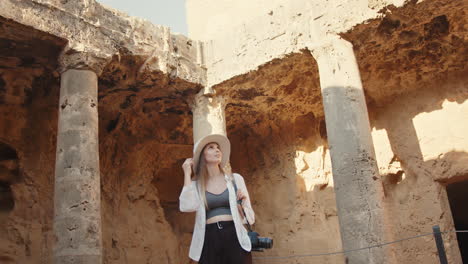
(160, 12)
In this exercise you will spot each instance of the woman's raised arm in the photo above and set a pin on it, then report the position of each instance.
(188, 199)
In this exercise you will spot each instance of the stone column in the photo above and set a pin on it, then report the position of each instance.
(208, 115)
(358, 188)
(77, 200)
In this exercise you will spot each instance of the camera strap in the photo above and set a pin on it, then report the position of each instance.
(240, 202)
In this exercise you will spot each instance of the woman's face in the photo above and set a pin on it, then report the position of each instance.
(212, 153)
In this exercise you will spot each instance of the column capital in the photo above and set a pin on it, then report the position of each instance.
(202, 99)
(208, 115)
(336, 62)
(329, 44)
(82, 60)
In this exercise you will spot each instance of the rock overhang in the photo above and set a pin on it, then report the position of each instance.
(98, 34)
(138, 53)
(415, 46)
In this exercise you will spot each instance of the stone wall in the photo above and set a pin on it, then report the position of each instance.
(29, 87)
(281, 137)
(146, 84)
(412, 62)
(275, 121)
(420, 149)
(145, 135)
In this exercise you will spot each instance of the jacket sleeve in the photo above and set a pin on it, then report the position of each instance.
(188, 199)
(249, 213)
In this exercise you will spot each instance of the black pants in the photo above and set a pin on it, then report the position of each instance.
(221, 245)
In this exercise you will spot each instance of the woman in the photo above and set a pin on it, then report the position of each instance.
(219, 235)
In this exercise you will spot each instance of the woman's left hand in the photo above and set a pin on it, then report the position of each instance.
(241, 196)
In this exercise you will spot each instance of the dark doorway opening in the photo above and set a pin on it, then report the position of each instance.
(9, 173)
(458, 198)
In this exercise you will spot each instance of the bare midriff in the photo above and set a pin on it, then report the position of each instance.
(219, 218)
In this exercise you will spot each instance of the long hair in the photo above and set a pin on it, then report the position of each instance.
(202, 175)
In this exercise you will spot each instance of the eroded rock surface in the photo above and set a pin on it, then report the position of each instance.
(29, 102)
(411, 48)
(145, 135)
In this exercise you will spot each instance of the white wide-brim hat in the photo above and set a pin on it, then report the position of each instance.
(221, 140)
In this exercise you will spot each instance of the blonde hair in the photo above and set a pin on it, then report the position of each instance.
(202, 174)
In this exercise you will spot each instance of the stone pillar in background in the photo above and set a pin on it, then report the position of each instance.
(77, 200)
(358, 187)
(208, 116)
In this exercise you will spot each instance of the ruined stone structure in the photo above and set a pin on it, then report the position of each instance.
(347, 119)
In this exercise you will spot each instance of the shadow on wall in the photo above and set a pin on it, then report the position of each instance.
(398, 121)
(276, 157)
(265, 153)
(412, 191)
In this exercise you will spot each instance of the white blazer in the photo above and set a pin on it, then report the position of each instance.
(189, 201)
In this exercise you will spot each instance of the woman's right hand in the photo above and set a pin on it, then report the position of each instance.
(187, 166)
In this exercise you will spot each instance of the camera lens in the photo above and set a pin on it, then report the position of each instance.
(265, 242)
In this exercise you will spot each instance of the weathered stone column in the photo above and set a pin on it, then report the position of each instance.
(77, 218)
(208, 116)
(357, 184)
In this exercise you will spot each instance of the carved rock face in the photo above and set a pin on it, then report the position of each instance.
(29, 87)
(145, 135)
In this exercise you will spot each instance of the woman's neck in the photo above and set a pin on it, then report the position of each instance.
(213, 170)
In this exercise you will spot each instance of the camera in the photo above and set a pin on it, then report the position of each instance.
(259, 243)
